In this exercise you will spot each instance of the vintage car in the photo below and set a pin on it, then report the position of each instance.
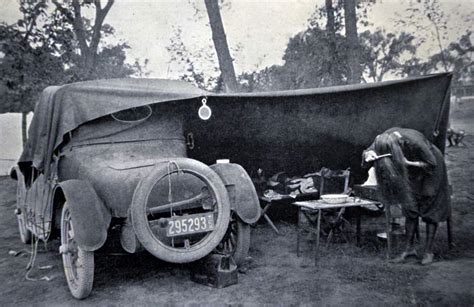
(108, 154)
(133, 154)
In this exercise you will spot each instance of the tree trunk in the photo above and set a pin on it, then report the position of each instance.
(220, 43)
(350, 19)
(88, 49)
(24, 128)
(100, 14)
(331, 32)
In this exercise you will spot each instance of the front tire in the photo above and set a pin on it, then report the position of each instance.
(78, 263)
(25, 233)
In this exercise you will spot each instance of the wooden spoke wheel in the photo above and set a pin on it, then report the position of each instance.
(78, 263)
(236, 241)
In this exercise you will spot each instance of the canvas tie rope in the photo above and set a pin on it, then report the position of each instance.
(170, 196)
(31, 263)
(178, 170)
(439, 119)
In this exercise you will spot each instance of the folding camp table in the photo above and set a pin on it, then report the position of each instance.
(317, 206)
(285, 199)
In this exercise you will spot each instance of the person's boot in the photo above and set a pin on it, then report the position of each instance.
(404, 256)
(427, 259)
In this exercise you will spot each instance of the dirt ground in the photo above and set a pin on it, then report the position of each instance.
(345, 274)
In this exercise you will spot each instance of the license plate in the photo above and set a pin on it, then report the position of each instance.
(190, 224)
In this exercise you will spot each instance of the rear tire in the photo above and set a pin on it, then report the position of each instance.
(236, 242)
(78, 264)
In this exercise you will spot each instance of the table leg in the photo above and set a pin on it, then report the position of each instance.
(269, 221)
(359, 213)
(450, 237)
(298, 233)
(264, 210)
(318, 227)
(388, 231)
(417, 229)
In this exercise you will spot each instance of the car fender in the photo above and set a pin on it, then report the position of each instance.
(90, 217)
(242, 194)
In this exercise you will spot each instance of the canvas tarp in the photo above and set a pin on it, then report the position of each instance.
(299, 132)
(243, 121)
(62, 109)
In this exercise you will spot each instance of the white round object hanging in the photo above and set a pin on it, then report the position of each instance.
(204, 111)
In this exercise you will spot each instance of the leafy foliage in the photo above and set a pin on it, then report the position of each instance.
(29, 63)
(200, 66)
(456, 57)
(386, 52)
(43, 49)
(316, 57)
(427, 19)
(309, 61)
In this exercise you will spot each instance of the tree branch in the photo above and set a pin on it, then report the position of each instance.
(438, 38)
(29, 28)
(64, 11)
(99, 20)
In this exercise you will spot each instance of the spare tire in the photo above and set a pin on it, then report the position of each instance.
(186, 193)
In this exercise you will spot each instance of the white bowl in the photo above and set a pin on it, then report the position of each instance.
(335, 198)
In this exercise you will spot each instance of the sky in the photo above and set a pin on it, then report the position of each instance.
(257, 33)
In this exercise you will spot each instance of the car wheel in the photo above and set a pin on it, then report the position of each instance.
(236, 242)
(180, 211)
(78, 263)
(25, 233)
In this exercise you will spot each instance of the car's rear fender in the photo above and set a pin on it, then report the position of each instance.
(90, 217)
(242, 194)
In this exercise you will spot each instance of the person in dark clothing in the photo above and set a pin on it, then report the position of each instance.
(410, 171)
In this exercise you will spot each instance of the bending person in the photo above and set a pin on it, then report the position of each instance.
(410, 171)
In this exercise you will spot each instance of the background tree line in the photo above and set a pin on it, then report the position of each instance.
(333, 51)
(55, 42)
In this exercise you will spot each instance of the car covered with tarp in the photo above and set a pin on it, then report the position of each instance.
(170, 165)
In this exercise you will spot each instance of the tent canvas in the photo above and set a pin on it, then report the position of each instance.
(298, 130)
